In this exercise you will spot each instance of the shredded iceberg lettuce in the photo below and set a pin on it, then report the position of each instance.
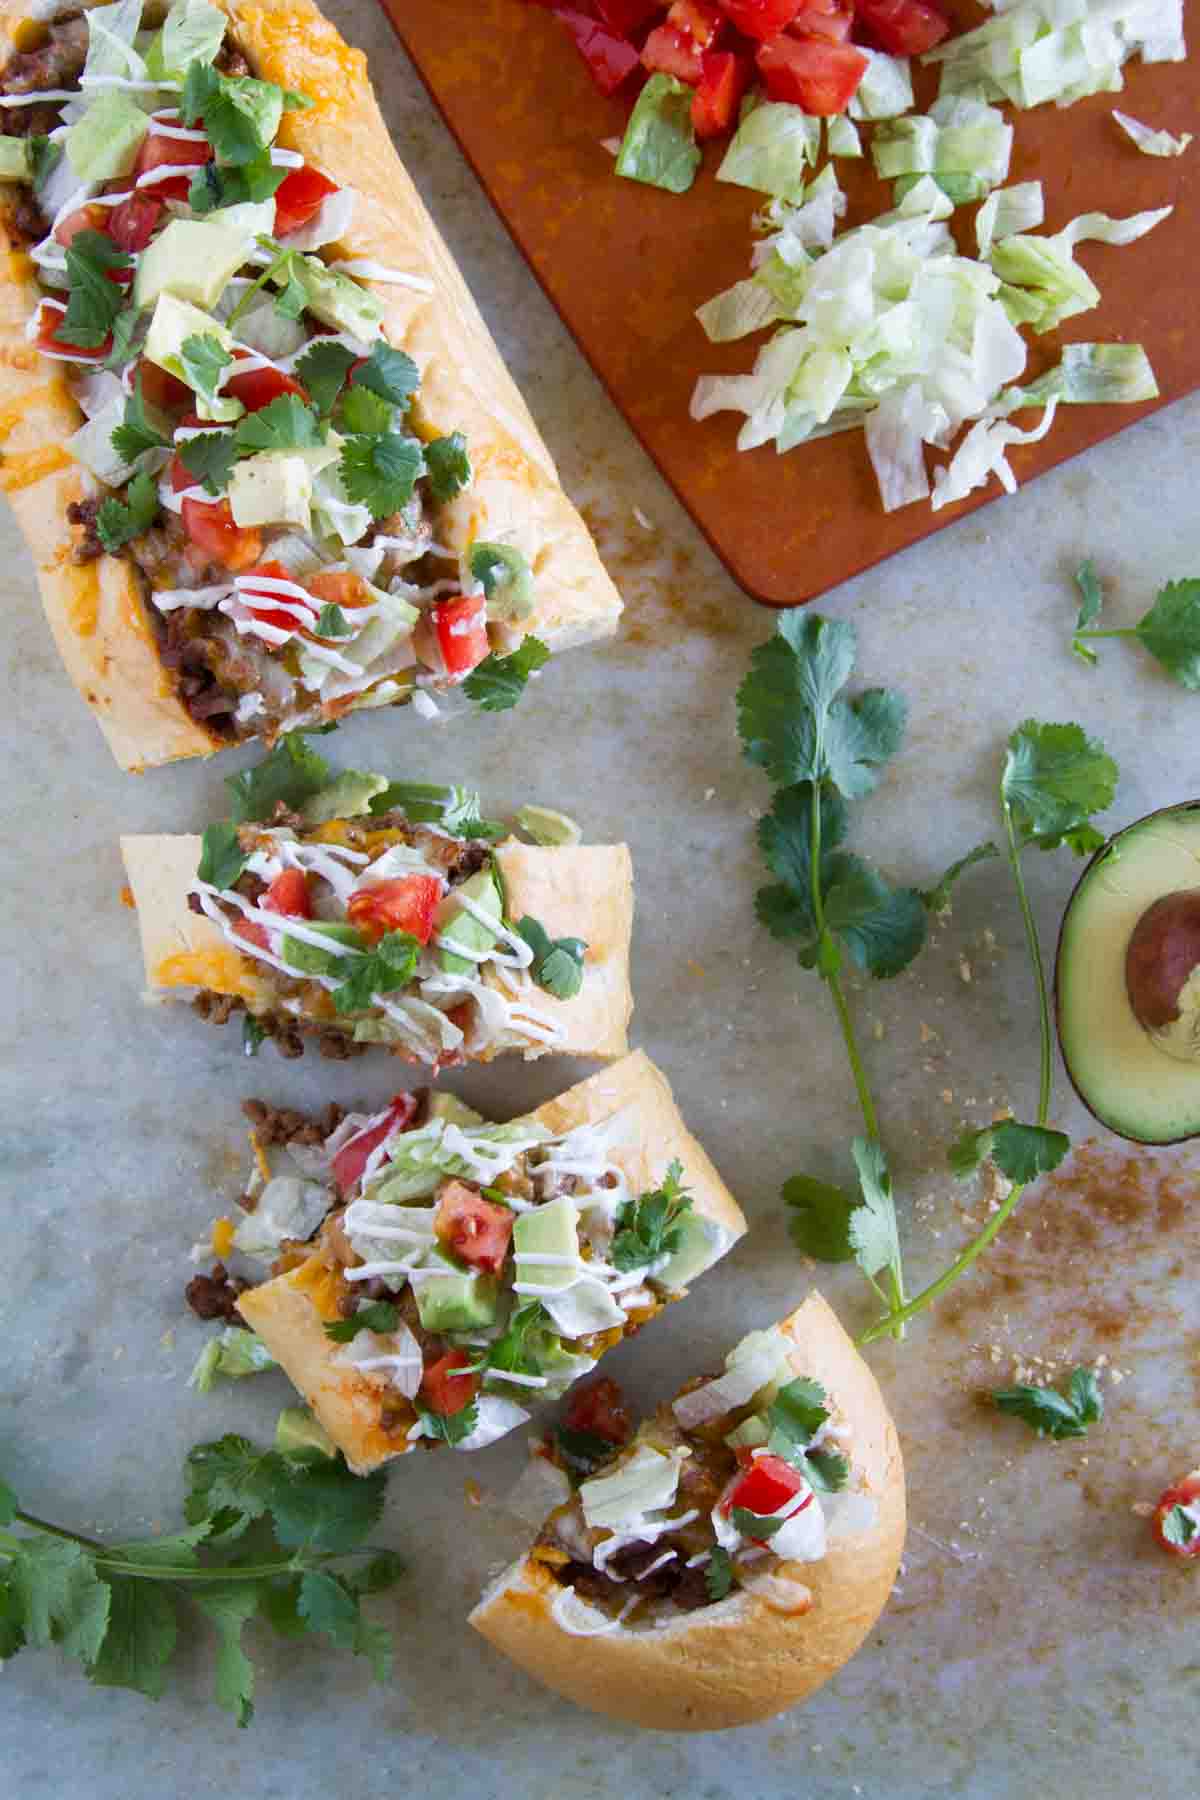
(771, 149)
(1007, 211)
(1087, 375)
(1060, 50)
(1045, 273)
(885, 90)
(1149, 142)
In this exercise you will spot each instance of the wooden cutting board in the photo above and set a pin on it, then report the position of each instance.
(626, 265)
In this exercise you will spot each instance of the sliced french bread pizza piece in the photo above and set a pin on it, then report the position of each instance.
(423, 1274)
(731, 1557)
(265, 453)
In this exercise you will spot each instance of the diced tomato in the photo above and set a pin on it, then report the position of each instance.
(166, 392)
(338, 587)
(288, 894)
(258, 387)
(85, 218)
(442, 1390)
(625, 16)
(264, 606)
(611, 59)
(702, 20)
(213, 530)
(406, 904)
(761, 19)
(350, 1161)
(253, 932)
(819, 77)
(1184, 1493)
(49, 320)
(767, 1485)
(597, 1406)
(669, 51)
(462, 639)
(833, 26)
(132, 224)
(156, 152)
(723, 82)
(476, 1230)
(902, 27)
(298, 198)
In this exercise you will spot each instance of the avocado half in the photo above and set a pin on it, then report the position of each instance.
(1140, 1076)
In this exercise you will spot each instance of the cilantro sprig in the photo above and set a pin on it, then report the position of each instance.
(824, 749)
(390, 965)
(380, 471)
(93, 299)
(652, 1226)
(450, 1428)
(1052, 1414)
(119, 522)
(240, 116)
(1170, 631)
(557, 963)
(718, 1573)
(137, 432)
(498, 682)
(378, 1315)
(264, 1537)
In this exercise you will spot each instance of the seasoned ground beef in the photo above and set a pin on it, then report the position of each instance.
(231, 62)
(214, 1296)
(83, 513)
(57, 63)
(281, 1125)
(216, 1008)
(25, 217)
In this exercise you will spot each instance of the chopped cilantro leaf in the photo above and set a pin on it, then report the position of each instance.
(253, 1035)
(651, 1227)
(820, 1221)
(289, 775)
(718, 1573)
(451, 1428)
(1052, 1414)
(210, 457)
(1178, 1527)
(44, 157)
(93, 301)
(799, 1410)
(214, 185)
(285, 424)
(332, 623)
(755, 1525)
(828, 1470)
(117, 523)
(557, 962)
(136, 433)
(240, 115)
(582, 1451)
(381, 472)
(364, 413)
(389, 373)
(125, 329)
(498, 682)
(388, 966)
(379, 1315)
(323, 369)
(222, 859)
(448, 466)
(1020, 1152)
(204, 359)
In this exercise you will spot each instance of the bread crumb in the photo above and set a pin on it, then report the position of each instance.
(964, 970)
(927, 1036)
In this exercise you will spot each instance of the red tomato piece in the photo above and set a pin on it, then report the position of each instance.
(166, 392)
(288, 894)
(723, 82)
(701, 20)
(902, 27)
(442, 1390)
(298, 198)
(338, 587)
(834, 27)
(132, 224)
(1184, 1493)
(253, 932)
(761, 19)
(475, 1230)
(406, 904)
(264, 606)
(624, 17)
(611, 59)
(462, 639)
(819, 77)
(351, 1159)
(213, 530)
(156, 153)
(768, 1484)
(598, 1406)
(49, 320)
(258, 387)
(86, 218)
(669, 51)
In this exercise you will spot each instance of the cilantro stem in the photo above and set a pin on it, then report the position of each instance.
(948, 1276)
(1117, 631)
(116, 1564)
(280, 262)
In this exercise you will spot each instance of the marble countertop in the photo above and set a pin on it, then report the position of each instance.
(1036, 1641)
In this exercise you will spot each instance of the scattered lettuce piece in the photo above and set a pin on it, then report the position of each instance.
(659, 146)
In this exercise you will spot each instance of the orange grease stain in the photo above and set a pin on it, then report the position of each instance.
(11, 416)
(83, 607)
(32, 465)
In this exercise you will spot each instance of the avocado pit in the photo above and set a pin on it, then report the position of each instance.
(1162, 973)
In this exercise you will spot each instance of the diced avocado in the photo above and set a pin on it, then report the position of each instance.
(249, 218)
(345, 798)
(697, 1249)
(106, 140)
(296, 1429)
(309, 959)
(458, 1300)
(272, 488)
(16, 159)
(462, 927)
(506, 577)
(173, 323)
(337, 300)
(749, 1434)
(546, 826)
(454, 1110)
(553, 1230)
(192, 259)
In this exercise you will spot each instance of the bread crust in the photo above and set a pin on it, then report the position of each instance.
(289, 1311)
(96, 611)
(737, 1661)
(580, 890)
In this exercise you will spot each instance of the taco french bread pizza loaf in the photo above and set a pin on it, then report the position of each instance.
(449, 1217)
(175, 681)
(778, 1628)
